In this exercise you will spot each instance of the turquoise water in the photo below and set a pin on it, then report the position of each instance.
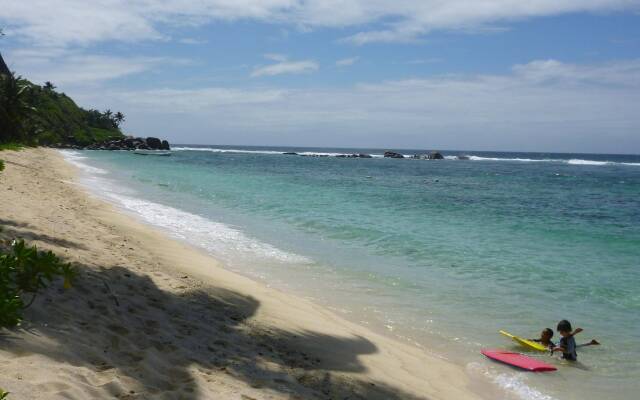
(441, 253)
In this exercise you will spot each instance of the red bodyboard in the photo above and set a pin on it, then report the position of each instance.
(518, 360)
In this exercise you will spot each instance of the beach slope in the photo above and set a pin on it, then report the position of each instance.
(151, 317)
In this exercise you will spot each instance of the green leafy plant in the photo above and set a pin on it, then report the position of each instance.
(11, 146)
(15, 108)
(24, 271)
(3, 395)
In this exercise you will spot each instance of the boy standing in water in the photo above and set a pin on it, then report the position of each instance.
(567, 343)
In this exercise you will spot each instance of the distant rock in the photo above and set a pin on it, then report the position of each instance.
(154, 143)
(463, 157)
(392, 154)
(434, 155)
(131, 143)
(361, 155)
(290, 153)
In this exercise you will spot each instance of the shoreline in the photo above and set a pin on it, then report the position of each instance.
(270, 344)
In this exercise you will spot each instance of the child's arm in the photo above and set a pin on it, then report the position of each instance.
(591, 343)
(576, 331)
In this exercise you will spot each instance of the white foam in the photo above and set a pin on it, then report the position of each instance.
(588, 162)
(218, 150)
(573, 161)
(514, 383)
(73, 157)
(477, 158)
(303, 153)
(215, 237)
(472, 158)
(225, 242)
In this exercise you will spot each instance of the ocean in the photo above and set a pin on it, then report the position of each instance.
(440, 253)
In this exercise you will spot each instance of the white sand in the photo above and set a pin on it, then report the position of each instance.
(150, 317)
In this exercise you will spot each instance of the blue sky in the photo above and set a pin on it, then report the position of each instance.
(540, 75)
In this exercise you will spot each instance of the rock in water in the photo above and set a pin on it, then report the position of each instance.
(165, 145)
(392, 154)
(154, 143)
(434, 155)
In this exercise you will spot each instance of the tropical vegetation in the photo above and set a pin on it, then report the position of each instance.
(24, 271)
(39, 115)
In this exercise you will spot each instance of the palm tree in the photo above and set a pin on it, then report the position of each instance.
(14, 108)
(118, 118)
(4, 70)
(49, 86)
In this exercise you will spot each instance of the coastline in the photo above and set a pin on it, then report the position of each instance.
(153, 317)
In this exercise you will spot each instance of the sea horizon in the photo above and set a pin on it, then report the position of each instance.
(410, 149)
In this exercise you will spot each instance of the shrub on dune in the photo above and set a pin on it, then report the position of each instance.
(24, 271)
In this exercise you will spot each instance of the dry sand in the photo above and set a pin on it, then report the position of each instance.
(153, 318)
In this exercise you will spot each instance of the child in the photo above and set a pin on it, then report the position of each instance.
(545, 338)
(567, 343)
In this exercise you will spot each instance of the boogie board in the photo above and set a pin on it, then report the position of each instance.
(530, 344)
(518, 360)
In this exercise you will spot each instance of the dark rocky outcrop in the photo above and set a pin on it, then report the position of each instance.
(434, 155)
(361, 155)
(290, 153)
(153, 143)
(130, 143)
(392, 154)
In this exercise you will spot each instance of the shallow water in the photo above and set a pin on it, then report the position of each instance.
(440, 253)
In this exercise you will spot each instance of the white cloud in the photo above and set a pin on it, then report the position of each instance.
(72, 68)
(284, 67)
(192, 41)
(543, 105)
(345, 62)
(275, 57)
(64, 22)
(421, 61)
(195, 100)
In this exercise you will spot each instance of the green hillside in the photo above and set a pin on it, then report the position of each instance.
(57, 119)
(38, 115)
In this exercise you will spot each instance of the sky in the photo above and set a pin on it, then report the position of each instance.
(535, 75)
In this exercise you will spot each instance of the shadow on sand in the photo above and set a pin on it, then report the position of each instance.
(117, 322)
(22, 230)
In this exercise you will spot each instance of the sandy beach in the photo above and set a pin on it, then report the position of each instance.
(151, 317)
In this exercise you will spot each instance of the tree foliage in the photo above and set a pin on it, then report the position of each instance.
(37, 115)
(15, 109)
